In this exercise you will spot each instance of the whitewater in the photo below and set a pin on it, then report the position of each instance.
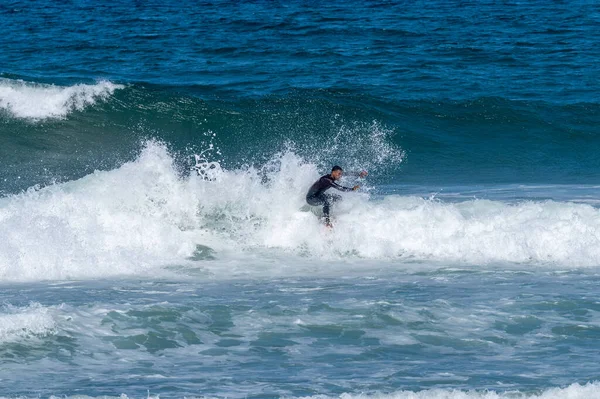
(147, 215)
(37, 101)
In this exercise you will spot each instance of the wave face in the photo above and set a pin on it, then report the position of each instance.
(437, 143)
(145, 214)
(37, 101)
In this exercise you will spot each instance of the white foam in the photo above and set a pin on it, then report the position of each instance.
(108, 223)
(21, 323)
(574, 391)
(143, 216)
(259, 212)
(40, 101)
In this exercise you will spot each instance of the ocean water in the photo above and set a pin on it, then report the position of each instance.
(466, 266)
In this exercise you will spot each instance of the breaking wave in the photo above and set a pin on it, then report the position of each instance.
(145, 215)
(38, 101)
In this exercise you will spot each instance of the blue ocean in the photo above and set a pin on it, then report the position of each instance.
(155, 241)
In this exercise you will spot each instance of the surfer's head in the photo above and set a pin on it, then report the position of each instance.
(336, 172)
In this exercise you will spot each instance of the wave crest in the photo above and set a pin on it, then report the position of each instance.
(38, 101)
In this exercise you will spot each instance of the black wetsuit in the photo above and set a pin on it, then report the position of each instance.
(316, 194)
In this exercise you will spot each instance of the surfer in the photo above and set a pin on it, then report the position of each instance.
(316, 195)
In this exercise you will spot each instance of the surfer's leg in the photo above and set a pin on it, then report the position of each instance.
(334, 198)
(326, 206)
(328, 200)
(315, 200)
(321, 199)
(318, 200)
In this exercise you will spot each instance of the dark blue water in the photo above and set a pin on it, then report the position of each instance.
(508, 90)
(464, 267)
(433, 50)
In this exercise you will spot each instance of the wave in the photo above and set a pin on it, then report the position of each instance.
(21, 323)
(37, 101)
(485, 140)
(145, 215)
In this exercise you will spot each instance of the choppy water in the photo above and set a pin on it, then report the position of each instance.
(304, 336)
(465, 267)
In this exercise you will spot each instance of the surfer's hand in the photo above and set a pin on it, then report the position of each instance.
(355, 188)
(363, 173)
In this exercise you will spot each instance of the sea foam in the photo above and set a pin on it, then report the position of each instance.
(573, 391)
(21, 323)
(38, 101)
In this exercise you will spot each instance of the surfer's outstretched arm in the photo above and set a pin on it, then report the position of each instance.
(342, 188)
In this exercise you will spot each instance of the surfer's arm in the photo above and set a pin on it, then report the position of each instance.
(361, 174)
(342, 188)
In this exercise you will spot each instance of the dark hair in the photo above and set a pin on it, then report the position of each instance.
(336, 168)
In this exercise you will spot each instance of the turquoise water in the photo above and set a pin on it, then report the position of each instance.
(296, 337)
(465, 267)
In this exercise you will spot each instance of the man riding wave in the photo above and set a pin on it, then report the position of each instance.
(316, 195)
